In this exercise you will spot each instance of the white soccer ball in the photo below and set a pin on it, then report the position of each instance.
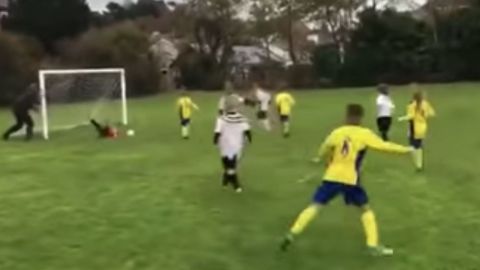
(130, 133)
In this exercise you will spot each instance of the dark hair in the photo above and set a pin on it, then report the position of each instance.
(383, 88)
(355, 110)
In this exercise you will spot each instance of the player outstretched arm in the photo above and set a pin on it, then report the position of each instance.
(376, 143)
(410, 114)
(193, 105)
(430, 110)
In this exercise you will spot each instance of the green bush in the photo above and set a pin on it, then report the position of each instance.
(123, 45)
(20, 59)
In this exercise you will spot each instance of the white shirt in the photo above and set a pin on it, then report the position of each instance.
(264, 98)
(385, 106)
(232, 128)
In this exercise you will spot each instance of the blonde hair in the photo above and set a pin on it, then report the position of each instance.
(232, 104)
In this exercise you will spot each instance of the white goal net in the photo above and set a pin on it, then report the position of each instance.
(71, 98)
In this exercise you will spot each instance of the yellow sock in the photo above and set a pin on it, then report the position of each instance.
(185, 132)
(286, 127)
(419, 158)
(304, 219)
(370, 226)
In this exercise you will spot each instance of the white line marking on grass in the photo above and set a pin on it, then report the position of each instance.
(307, 178)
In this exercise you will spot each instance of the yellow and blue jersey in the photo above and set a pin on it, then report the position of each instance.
(186, 106)
(284, 102)
(418, 115)
(345, 149)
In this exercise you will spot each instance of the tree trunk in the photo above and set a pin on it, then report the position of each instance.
(291, 42)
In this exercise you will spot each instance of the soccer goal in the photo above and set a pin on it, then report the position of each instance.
(69, 98)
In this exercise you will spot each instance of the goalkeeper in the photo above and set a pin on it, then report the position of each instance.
(21, 110)
(104, 131)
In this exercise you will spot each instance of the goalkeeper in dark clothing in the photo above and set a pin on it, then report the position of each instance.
(21, 110)
(104, 131)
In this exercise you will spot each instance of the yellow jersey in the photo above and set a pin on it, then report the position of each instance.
(186, 106)
(418, 116)
(345, 149)
(284, 102)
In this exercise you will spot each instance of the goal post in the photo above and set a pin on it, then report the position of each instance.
(75, 95)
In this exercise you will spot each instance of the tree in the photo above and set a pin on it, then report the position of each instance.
(387, 46)
(49, 20)
(290, 12)
(216, 28)
(264, 24)
(339, 17)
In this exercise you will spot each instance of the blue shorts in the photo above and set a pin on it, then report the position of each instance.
(416, 143)
(353, 195)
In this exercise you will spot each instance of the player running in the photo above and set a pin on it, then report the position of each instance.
(231, 132)
(418, 113)
(284, 102)
(343, 151)
(385, 108)
(185, 107)
(264, 99)
(21, 110)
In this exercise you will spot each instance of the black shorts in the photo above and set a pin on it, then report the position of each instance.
(229, 163)
(384, 123)
(262, 115)
(284, 118)
(184, 121)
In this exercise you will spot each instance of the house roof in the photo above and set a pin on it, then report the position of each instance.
(255, 55)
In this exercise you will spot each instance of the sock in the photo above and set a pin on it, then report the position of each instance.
(232, 178)
(286, 128)
(185, 131)
(225, 181)
(385, 136)
(370, 226)
(418, 158)
(304, 219)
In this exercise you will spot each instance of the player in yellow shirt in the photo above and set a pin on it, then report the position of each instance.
(418, 113)
(284, 102)
(343, 151)
(185, 107)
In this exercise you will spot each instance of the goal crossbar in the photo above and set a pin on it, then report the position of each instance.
(43, 90)
(80, 71)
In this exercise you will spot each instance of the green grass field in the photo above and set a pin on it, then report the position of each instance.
(155, 202)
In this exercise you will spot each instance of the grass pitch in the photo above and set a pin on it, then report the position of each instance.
(155, 202)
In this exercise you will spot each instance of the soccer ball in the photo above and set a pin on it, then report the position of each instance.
(130, 133)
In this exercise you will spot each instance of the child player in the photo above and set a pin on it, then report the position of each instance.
(418, 113)
(229, 93)
(27, 102)
(284, 102)
(264, 99)
(185, 107)
(343, 151)
(104, 131)
(231, 132)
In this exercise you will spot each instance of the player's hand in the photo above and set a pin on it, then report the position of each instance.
(316, 160)
(402, 119)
